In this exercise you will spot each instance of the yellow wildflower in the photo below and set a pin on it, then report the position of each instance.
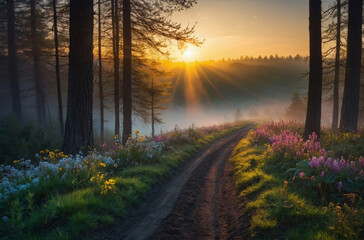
(103, 164)
(51, 155)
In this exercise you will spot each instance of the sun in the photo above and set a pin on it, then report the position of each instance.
(188, 53)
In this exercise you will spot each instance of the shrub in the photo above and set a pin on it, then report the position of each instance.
(18, 140)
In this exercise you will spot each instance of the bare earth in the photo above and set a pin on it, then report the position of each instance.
(198, 201)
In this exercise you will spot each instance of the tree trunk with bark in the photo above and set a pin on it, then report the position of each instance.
(152, 101)
(58, 77)
(79, 128)
(127, 82)
(116, 42)
(335, 115)
(13, 62)
(350, 106)
(313, 117)
(39, 85)
(101, 92)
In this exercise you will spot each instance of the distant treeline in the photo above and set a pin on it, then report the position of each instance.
(297, 57)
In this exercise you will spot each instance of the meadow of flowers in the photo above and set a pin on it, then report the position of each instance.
(32, 191)
(322, 166)
(302, 189)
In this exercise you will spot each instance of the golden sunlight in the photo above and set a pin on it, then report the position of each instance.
(188, 54)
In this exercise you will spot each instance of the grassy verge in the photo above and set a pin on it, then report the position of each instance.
(66, 207)
(283, 207)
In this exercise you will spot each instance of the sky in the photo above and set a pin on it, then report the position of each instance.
(232, 28)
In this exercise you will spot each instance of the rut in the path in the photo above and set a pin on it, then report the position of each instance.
(208, 206)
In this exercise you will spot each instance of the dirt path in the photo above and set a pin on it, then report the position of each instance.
(197, 202)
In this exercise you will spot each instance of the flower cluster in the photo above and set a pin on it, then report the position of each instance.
(15, 179)
(293, 145)
(108, 186)
(313, 162)
(266, 131)
(337, 171)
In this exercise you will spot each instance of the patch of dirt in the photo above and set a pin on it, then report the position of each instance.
(197, 201)
(208, 206)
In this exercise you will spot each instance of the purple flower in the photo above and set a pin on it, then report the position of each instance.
(342, 163)
(322, 173)
(314, 162)
(335, 166)
(321, 160)
(339, 186)
(328, 162)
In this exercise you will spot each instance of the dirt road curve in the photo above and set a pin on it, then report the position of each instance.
(198, 202)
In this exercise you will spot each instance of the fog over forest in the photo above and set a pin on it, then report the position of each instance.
(201, 93)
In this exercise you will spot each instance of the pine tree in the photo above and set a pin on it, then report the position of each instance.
(79, 128)
(313, 117)
(350, 106)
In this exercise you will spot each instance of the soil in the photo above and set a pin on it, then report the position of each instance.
(197, 201)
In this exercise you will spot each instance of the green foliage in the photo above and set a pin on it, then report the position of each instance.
(283, 209)
(18, 140)
(91, 197)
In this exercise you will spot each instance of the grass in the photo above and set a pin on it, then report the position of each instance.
(282, 210)
(68, 209)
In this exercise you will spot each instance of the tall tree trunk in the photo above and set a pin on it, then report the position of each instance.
(116, 42)
(350, 106)
(335, 115)
(58, 78)
(313, 117)
(152, 107)
(127, 83)
(13, 63)
(78, 131)
(101, 92)
(39, 86)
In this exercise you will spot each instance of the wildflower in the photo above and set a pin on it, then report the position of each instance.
(302, 175)
(5, 219)
(322, 173)
(339, 186)
(314, 162)
(103, 164)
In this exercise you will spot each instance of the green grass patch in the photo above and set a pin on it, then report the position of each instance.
(92, 198)
(279, 208)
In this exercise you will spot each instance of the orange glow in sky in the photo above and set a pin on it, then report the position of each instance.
(232, 28)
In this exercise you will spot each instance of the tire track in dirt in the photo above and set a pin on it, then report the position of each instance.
(197, 201)
(208, 206)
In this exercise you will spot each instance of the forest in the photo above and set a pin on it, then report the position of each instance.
(140, 119)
